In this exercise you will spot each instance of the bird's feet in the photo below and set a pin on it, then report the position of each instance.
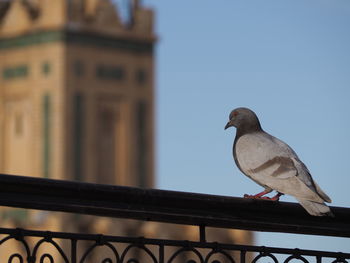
(252, 196)
(257, 196)
(261, 196)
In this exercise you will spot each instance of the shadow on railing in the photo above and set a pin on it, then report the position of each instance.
(161, 206)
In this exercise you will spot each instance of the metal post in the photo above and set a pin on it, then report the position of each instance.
(202, 237)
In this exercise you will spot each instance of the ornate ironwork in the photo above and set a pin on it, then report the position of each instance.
(155, 250)
(155, 205)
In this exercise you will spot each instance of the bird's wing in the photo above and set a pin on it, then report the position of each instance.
(273, 164)
(305, 176)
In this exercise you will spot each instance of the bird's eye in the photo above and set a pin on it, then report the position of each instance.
(233, 114)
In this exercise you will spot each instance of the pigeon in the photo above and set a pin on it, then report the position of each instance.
(273, 164)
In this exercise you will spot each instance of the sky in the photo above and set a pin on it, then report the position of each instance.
(289, 61)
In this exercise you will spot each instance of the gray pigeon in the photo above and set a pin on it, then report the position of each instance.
(272, 164)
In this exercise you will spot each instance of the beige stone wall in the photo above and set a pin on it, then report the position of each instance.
(117, 96)
(23, 97)
(21, 108)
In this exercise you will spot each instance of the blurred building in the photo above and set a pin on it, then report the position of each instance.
(77, 98)
(77, 91)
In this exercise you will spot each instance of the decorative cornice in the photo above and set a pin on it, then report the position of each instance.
(105, 41)
(79, 38)
(35, 38)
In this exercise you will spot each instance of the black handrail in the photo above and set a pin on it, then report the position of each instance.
(168, 206)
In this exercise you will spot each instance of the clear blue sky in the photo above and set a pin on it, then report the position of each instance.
(289, 61)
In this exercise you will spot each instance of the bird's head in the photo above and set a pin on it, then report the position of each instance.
(243, 118)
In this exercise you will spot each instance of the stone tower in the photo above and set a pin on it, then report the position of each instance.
(76, 91)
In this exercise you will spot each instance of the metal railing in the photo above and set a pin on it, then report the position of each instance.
(161, 206)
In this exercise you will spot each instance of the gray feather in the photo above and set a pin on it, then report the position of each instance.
(316, 209)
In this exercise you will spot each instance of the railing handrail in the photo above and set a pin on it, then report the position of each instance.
(168, 206)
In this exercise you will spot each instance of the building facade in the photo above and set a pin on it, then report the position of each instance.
(76, 91)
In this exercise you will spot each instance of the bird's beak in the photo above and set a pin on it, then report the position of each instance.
(228, 125)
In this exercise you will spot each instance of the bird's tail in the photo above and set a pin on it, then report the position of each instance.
(316, 209)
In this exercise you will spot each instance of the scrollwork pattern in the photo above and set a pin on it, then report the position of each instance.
(219, 252)
(46, 256)
(101, 244)
(184, 250)
(136, 250)
(297, 257)
(265, 255)
(14, 256)
(18, 236)
(137, 246)
(49, 240)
